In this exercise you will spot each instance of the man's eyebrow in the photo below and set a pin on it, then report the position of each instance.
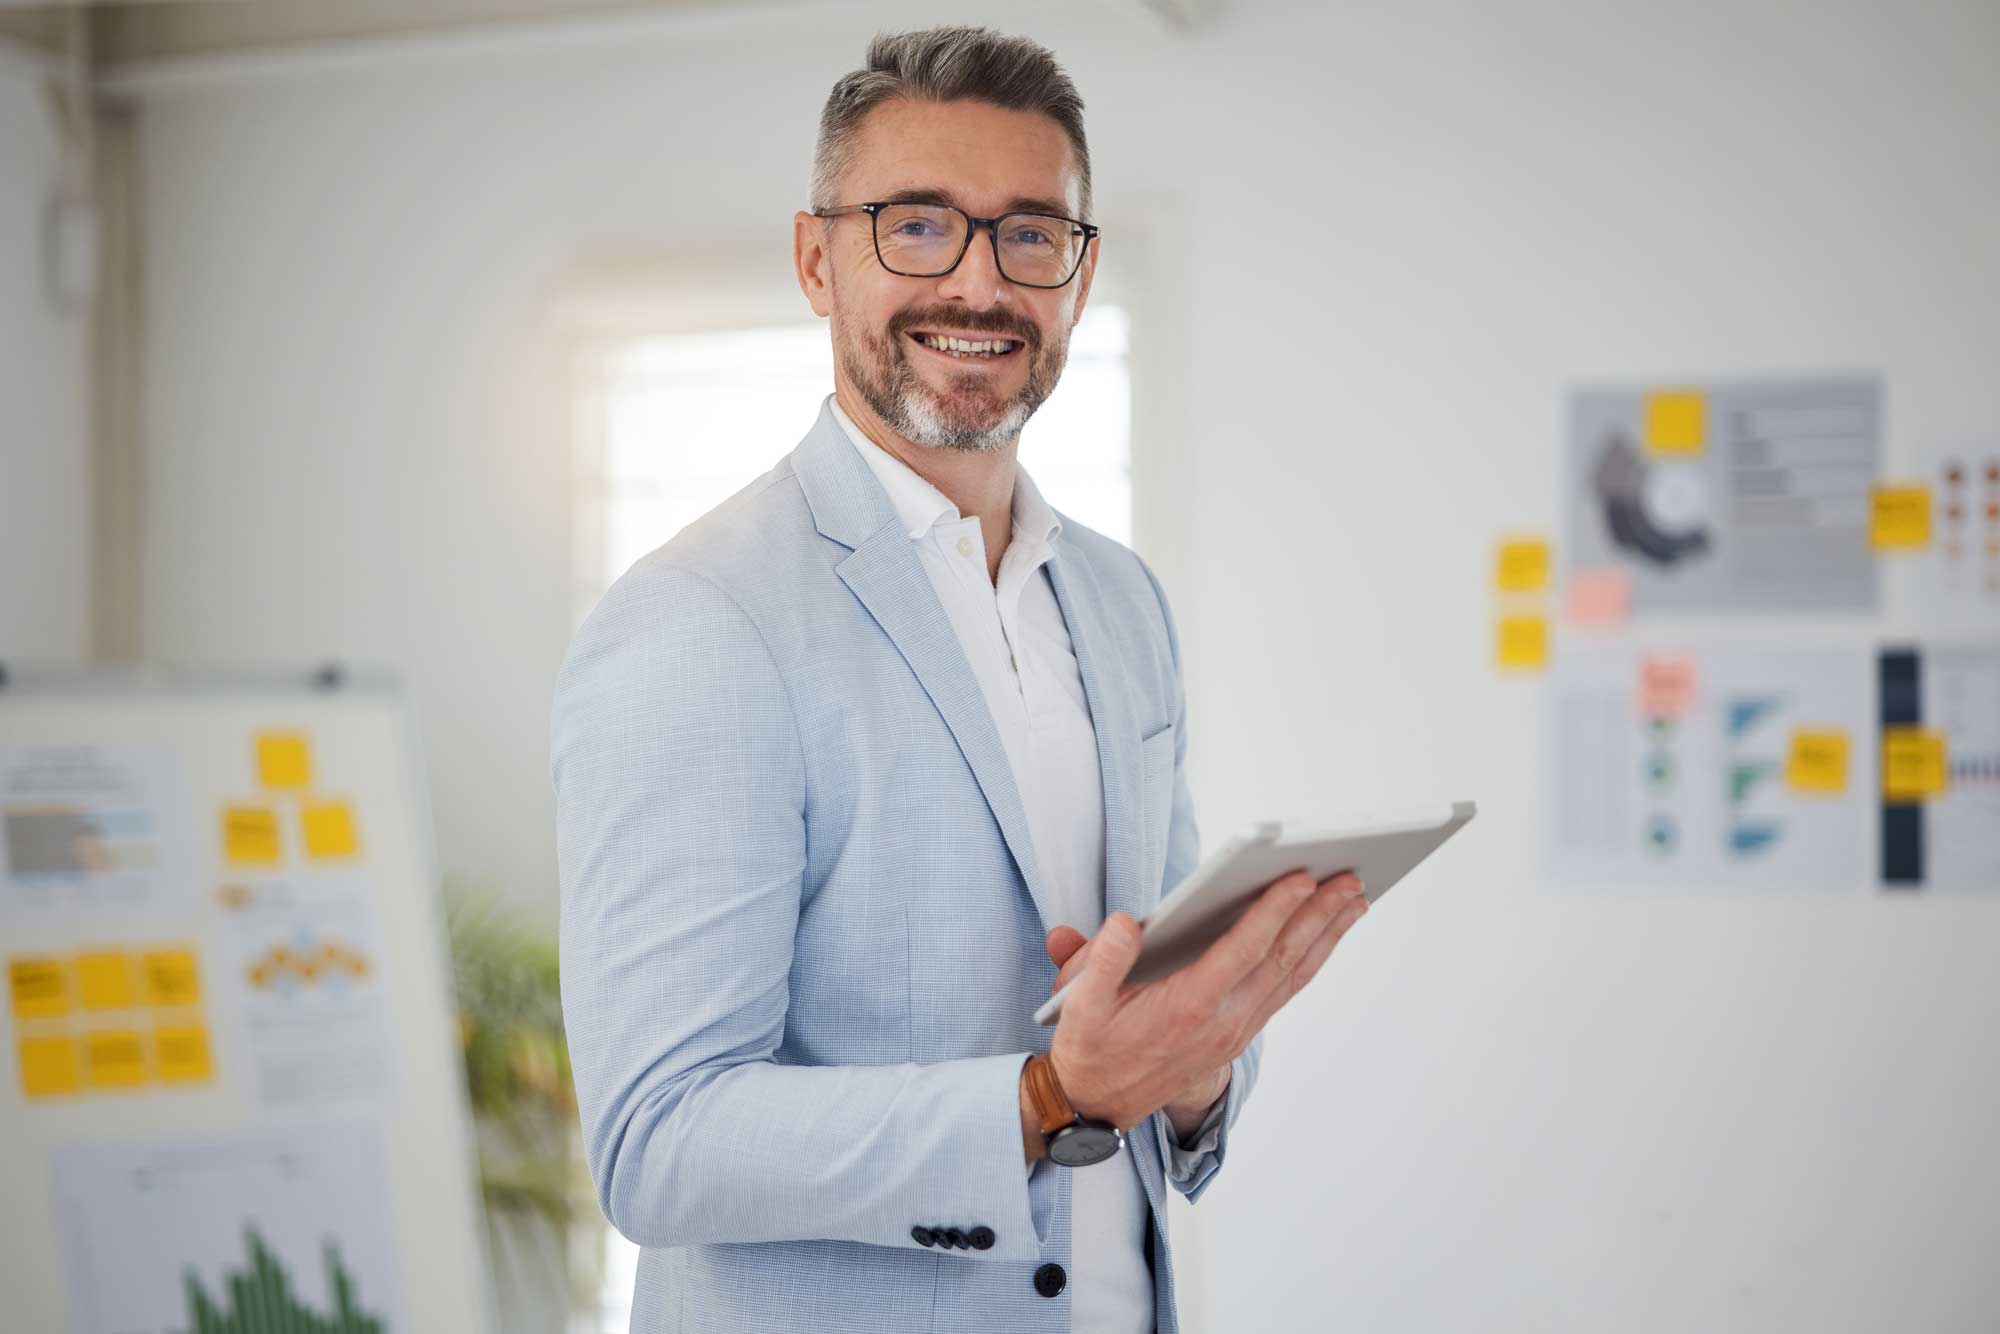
(1036, 204)
(932, 195)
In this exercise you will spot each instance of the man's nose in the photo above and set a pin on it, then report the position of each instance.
(977, 280)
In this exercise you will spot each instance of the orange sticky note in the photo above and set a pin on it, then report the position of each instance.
(1899, 518)
(1600, 597)
(1666, 684)
(1676, 422)
(1914, 763)
(1522, 643)
(1521, 565)
(1817, 760)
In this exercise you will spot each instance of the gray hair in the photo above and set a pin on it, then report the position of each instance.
(946, 65)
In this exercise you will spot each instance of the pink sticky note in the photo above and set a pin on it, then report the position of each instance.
(1599, 597)
(1666, 684)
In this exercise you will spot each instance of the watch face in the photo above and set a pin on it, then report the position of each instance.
(1084, 1143)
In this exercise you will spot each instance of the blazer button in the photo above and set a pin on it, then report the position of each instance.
(951, 1236)
(923, 1236)
(1050, 1280)
(982, 1238)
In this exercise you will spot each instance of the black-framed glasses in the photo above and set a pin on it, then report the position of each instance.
(928, 241)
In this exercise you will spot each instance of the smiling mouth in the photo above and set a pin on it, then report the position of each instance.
(968, 349)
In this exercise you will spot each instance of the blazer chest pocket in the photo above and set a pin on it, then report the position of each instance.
(1156, 765)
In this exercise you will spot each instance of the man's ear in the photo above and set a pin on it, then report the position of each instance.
(810, 262)
(1084, 274)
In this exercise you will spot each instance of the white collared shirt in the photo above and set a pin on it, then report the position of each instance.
(1014, 636)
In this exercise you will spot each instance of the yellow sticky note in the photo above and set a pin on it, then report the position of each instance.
(50, 1067)
(172, 977)
(1913, 763)
(1676, 422)
(1817, 761)
(1522, 642)
(329, 829)
(1521, 565)
(250, 835)
(183, 1054)
(40, 987)
(104, 979)
(1899, 518)
(114, 1058)
(284, 759)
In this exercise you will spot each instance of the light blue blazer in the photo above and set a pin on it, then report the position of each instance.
(802, 922)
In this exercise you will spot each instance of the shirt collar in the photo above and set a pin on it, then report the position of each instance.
(921, 506)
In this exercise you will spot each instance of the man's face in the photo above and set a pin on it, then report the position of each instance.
(987, 161)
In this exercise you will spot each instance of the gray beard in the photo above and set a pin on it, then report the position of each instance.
(899, 397)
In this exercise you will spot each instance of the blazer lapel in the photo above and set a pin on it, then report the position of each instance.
(1082, 603)
(886, 574)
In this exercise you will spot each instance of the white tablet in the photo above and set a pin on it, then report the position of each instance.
(1380, 850)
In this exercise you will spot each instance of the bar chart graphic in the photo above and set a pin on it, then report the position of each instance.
(284, 1232)
(259, 1299)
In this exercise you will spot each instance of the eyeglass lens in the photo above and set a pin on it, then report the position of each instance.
(925, 240)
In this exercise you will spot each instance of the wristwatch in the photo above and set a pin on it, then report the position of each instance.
(1072, 1141)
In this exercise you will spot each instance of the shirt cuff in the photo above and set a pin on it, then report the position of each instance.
(1182, 1159)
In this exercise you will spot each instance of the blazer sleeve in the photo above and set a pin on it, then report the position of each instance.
(1193, 1167)
(680, 796)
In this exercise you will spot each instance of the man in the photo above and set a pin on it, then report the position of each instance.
(848, 770)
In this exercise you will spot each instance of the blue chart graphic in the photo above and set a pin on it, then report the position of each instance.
(1746, 711)
(1747, 840)
(1746, 774)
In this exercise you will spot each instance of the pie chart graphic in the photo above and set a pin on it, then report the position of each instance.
(1656, 513)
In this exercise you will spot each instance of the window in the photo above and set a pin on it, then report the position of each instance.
(671, 426)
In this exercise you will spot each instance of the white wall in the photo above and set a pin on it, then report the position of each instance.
(44, 445)
(1408, 229)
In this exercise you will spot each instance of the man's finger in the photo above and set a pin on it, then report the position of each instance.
(1301, 948)
(1077, 963)
(1063, 942)
(1243, 946)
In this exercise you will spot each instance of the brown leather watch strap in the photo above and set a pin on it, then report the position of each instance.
(1046, 1096)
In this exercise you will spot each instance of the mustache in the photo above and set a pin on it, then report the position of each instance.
(977, 321)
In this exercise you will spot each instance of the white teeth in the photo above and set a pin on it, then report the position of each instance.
(963, 347)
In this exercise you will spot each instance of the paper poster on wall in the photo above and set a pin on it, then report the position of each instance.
(1939, 708)
(1952, 580)
(86, 826)
(1737, 497)
(253, 1234)
(309, 981)
(1714, 768)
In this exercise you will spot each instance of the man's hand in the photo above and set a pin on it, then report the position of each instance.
(1123, 1052)
(1188, 1109)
